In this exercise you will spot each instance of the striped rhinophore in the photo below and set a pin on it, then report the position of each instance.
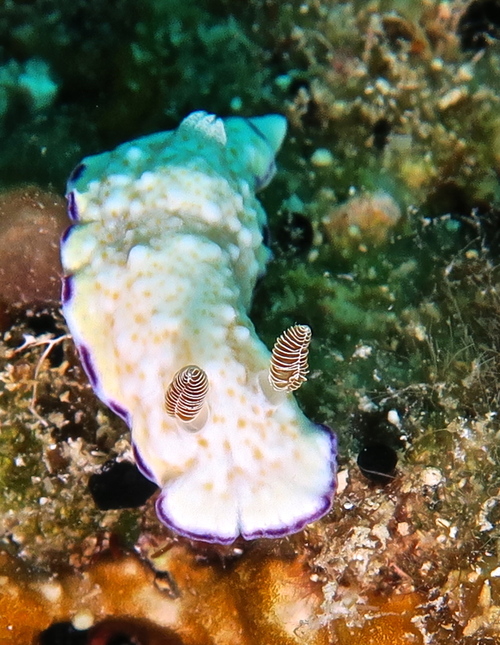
(186, 393)
(289, 368)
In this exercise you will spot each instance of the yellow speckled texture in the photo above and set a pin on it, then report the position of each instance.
(163, 262)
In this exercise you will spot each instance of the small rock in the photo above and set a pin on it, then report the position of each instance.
(369, 216)
(322, 158)
(31, 224)
(431, 477)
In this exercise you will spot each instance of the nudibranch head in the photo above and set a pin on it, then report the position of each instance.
(161, 259)
(254, 143)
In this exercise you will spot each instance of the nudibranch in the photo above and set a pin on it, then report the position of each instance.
(160, 263)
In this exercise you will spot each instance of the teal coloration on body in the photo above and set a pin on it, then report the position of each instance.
(161, 264)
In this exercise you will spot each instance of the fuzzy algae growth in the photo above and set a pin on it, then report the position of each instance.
(405, 346)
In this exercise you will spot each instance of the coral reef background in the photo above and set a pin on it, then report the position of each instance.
(384, 226)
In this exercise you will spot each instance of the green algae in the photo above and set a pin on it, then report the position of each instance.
(48, 450)
(19, 464)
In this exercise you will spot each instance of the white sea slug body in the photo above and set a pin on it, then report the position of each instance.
(161, 261)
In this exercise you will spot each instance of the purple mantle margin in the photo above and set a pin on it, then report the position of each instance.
(324, 507)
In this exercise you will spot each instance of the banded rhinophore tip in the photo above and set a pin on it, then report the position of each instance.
(289, 368)
(186, 394)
